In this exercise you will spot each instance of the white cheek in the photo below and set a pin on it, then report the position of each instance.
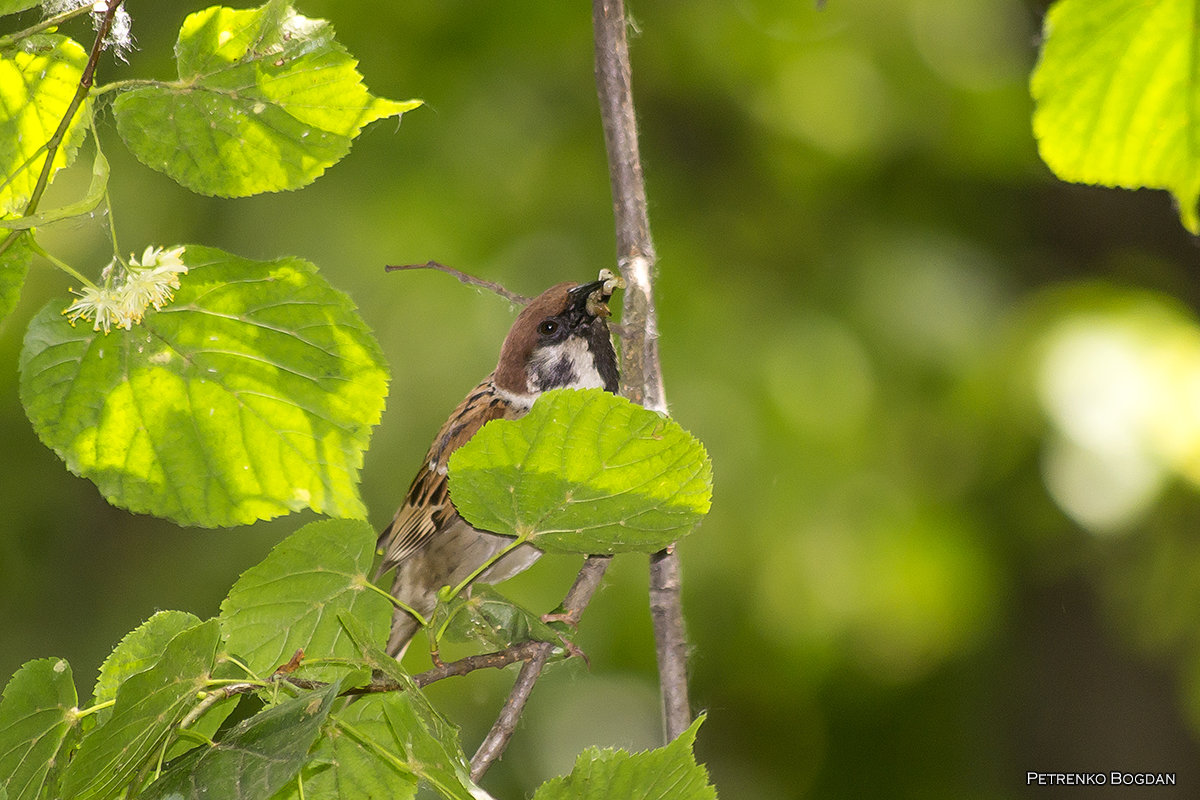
(588, 378)
(575, 351)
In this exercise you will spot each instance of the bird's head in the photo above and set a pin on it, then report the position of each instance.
(561, 340)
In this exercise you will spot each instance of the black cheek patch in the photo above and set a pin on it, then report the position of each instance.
(556, 374)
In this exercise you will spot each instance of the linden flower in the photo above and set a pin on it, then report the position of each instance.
(153, 280)
(158, 257)
(103, 307)
(150, 281)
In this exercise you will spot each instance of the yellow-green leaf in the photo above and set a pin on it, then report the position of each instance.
(266, 100)
(14, 266)
(148, 706)
(1117, 94)
(584, 472)
(667, 773)
(251, 395)
(38, 78)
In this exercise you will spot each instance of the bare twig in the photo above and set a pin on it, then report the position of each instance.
(506, 723)
(8, 40)
(577, 599)
(641, 372)
(524, 651)
(470, 280)
(521, 651)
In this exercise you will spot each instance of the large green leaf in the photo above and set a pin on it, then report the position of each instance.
(668, 773)
(1117, 93)
(141, 649)
(38, 78)
(584, 472)
(291, 600)
(266, 100)
(251, 395)
(256, 759)
(37, 725)
(138, 651)
(148, 706)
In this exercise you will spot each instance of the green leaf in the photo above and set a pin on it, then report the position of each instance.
(292, 599)
(149, 705)
(423, 742)
(489, 617)
(258, 757)
(355, 760)
(428, 745)
(14, 266)
(584, 472)
(89, 201)
(668, 773)
(38, 79)
(13, 6)
(266, 100)
(37, 728)
(138, 651)
(251, 395)
(1117, 100)
(141, 649)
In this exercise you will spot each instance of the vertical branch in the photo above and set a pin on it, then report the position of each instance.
(670, 640)
(641, 372)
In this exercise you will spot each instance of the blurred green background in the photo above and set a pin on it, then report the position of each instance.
(953, 404)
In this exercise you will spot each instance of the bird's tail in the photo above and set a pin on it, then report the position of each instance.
(404, 627)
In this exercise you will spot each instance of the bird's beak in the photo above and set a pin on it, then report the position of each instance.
(592, 298)
(582, 293)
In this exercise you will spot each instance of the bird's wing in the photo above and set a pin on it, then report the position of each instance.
(427, 508)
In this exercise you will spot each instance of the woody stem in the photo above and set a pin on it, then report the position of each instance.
(641, 371)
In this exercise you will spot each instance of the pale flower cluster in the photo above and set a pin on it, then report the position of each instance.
(150, 281)
(119, 38)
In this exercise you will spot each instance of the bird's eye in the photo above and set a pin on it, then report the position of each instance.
(547, 327)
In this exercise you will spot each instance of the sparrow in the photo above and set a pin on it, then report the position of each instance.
(559, 340)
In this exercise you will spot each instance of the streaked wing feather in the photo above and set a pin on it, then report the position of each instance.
(427, 508)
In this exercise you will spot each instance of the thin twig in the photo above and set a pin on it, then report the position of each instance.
(641, 372)
(470, 280)
(501, 658)
(577, 599)
(10, 39)
(215, 696)
(521, 651)
(506, 722)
